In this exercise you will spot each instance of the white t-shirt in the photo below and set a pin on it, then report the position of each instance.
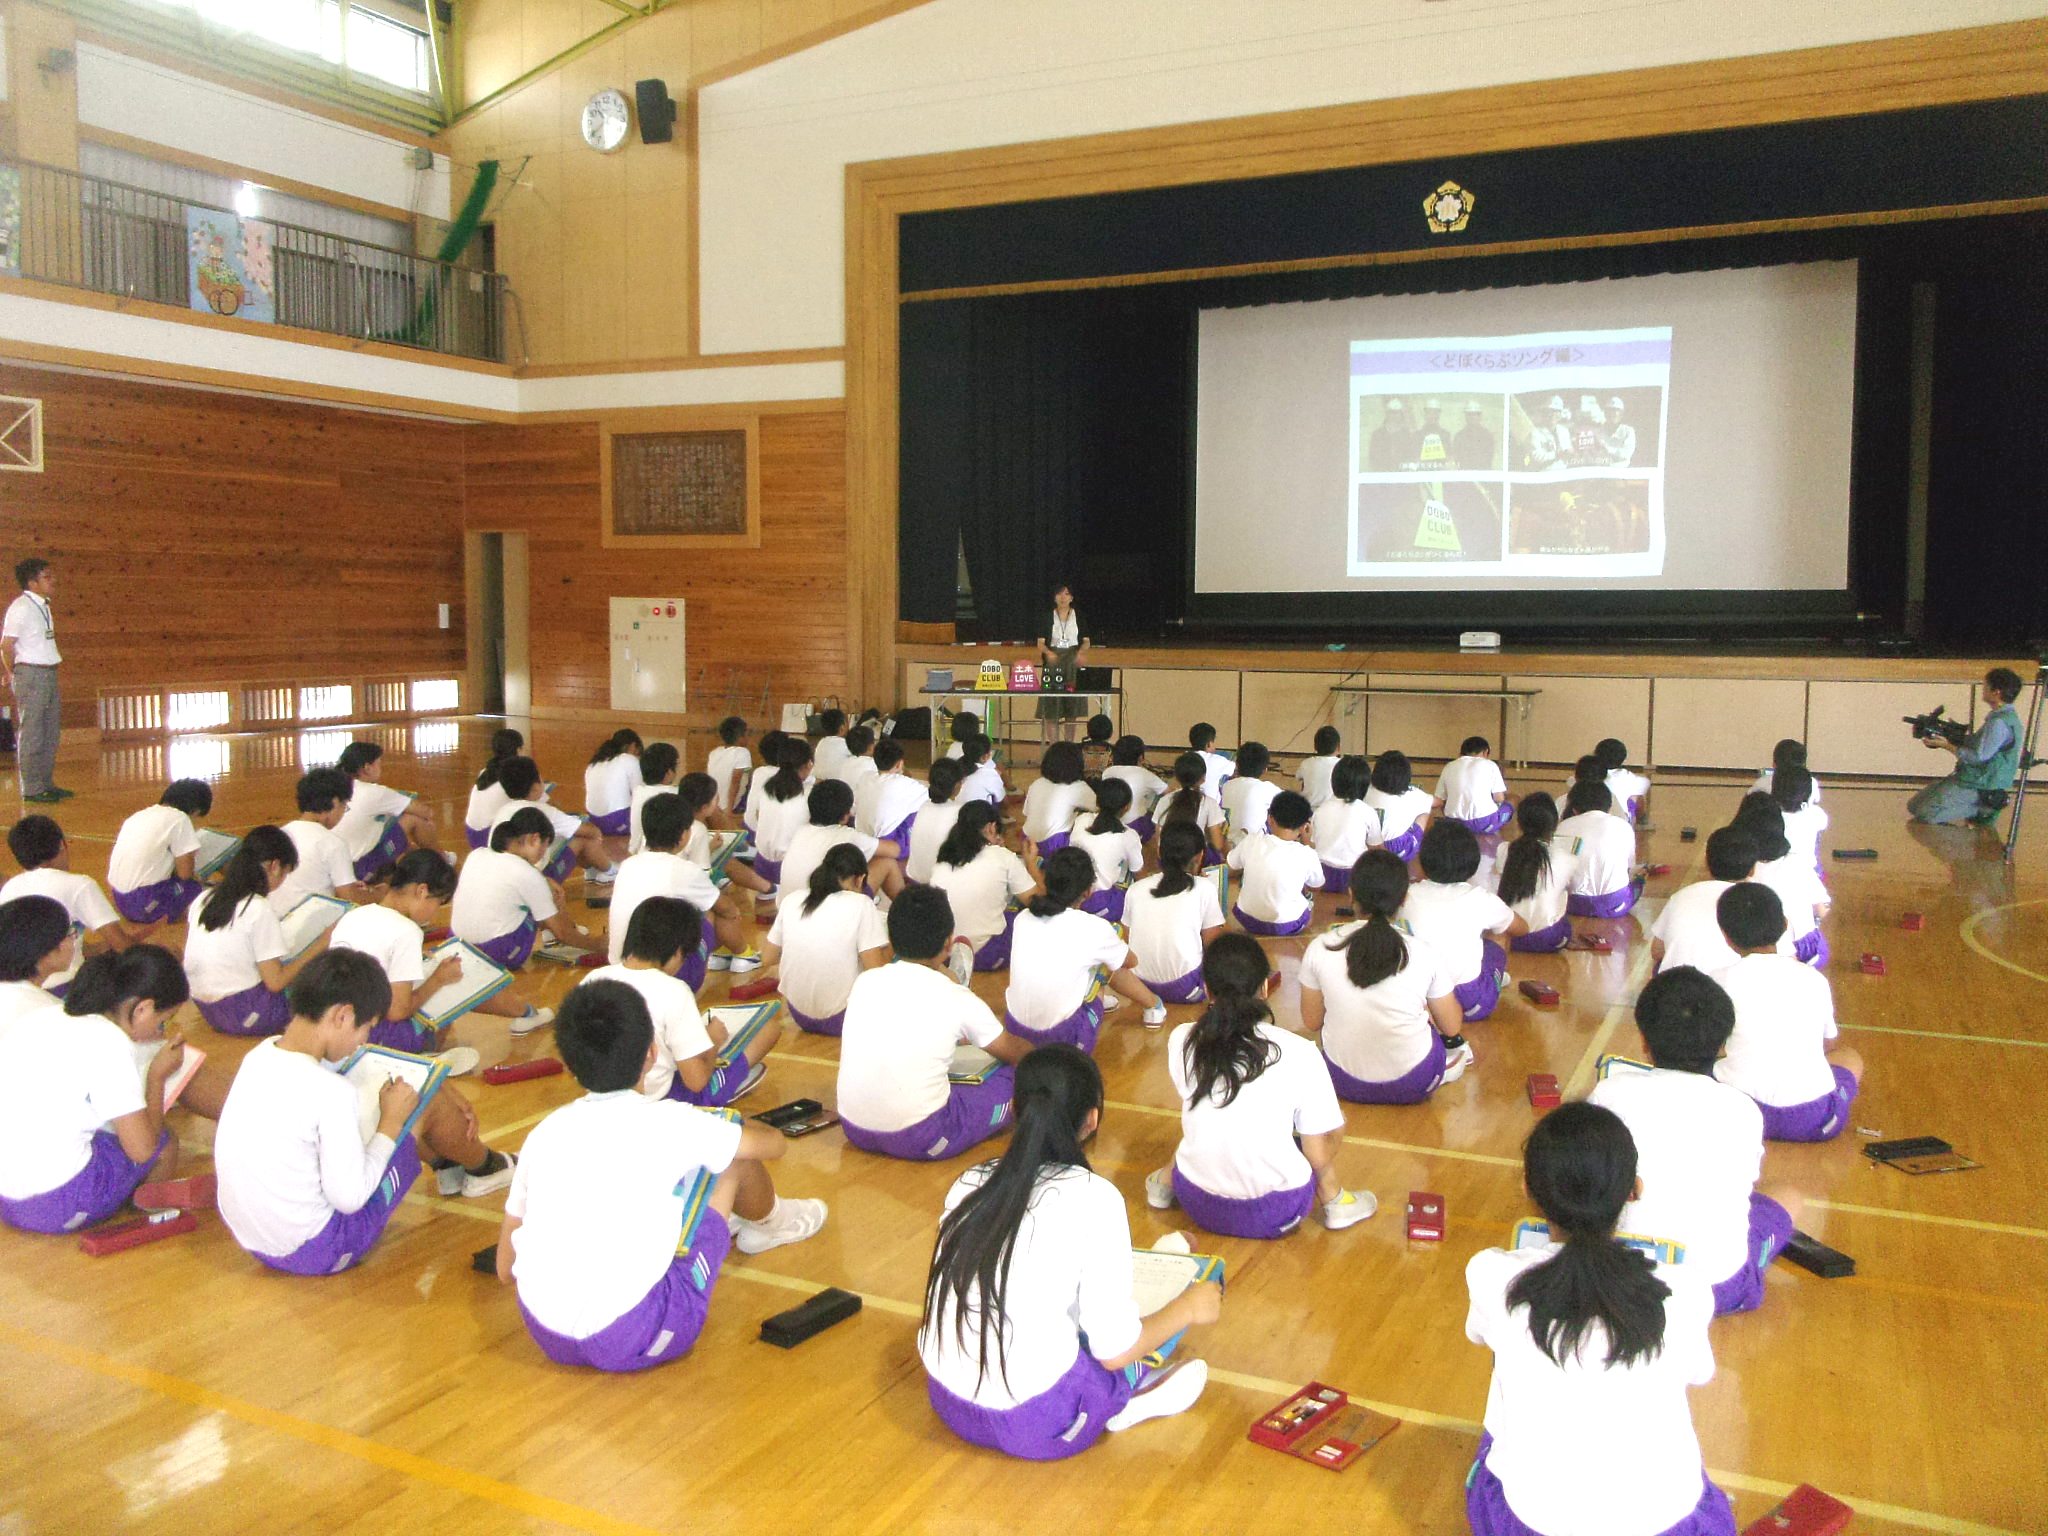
(1589, 1448)
(80, 895)
(219, 962)
(1784, 1019)
(599, 1195)
(1803, 828)
(148, 846)
(653, 874)
(896, 1050)
(484, 806)
(290, 1150)
(807, 851)
(1553, 886)
(933, 825)
(1246, 1149)
(636, 832)
(777, 823)
(679, 1032)
(1625, 784)
(696, 845)
(1467, 787)
(33, 628)
(1452, 920)
(830, 752)
(981, 890)
(1795, 880)
(1117, 855)
(1216, 768)
(1069, 1275)
(1146, 787)
(1342, 830)
(496, 892)
(854, 772)
(390, 938)
(608, 786)
(1278, 876)
(1699, 1149)
(1691, 928)
(1383, 1031)
(21, 1000)
(1208, 811)
(61, 1079)
(1762, 786)
(985, 783)
(362, 824)
(1053, 961)
(1246, 803)
(324, 865)
(885, 801)
(1607, 851)
(1398, 812)
(1049, 808)
(821, 950)
(1166, 931)
(562, 822)
(722, 764)
(1314, 778)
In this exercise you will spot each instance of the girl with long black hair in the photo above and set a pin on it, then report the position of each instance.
(983, 879)
(1173, 916)
(486, 797)
(1533, 875)
(1344, 825)
(1034, 1257)
(1061, 957)
(234, 948)
(1116, 849)
(1190, 802)
(823, 942)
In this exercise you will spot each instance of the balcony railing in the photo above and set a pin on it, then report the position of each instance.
(86, 232)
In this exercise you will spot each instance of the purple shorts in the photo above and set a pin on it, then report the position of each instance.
(1499, 817)
(1109, 903)
(390, 848)
(1818, 1119)
(1406, 846)
(1062, 1421)
(257, 1011)
(1412, 1087)
(1182, 989)
(1210, 857)
(769, 870)
(728, 1074)
(1266, 930)
(476, 838)
(1486, 1507)
(1543, 941)
(972, 1113)
(1336, 878)
(92, 1194)
(1077, 1029)
(561, 866)
(1812, 950)
(1144, 826)
(1614, 904)
(349, 1236)
(406, 1035)
(900, 835)
(511, 950)
(1047, 847)
(993, 954)
(1770, 1229)
(163, 902)
(697, 964)
(1481, 995)
(1268, 1216)
(615, 823)
(833, 1026)
(663, 1324)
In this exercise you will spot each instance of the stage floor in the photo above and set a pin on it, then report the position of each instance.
(180, 1387)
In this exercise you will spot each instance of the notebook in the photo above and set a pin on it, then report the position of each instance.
(146, 1051)
(482, 978)
(371, 1067)
(695, 1191)
(1531, 1233)
(971, 1064)
(215, 849)
(743, 1024)
(725, 847)
(307, 921)
(1156, 1278)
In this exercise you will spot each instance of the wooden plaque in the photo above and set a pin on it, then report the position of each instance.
(690, 486)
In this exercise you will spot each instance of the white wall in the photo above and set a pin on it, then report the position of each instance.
(961, 74)
(3, 57)
(148, 101)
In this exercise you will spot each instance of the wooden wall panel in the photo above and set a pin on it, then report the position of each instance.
(1573, 713)
(1699, 724)
(776, 615)
(1432, 727)
(1859, 727)
(208, 537)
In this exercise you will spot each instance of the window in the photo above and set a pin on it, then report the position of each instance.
(201, 710)
(330, 701)
(373, 46)
(431, 694)
(388, 51)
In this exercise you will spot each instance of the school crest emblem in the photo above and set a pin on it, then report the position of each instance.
(1448, 209)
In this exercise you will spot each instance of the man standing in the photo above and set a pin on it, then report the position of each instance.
(1987, 761)
(28, 664)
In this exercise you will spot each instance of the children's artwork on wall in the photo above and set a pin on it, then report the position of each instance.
(10, 221)
(230, 264)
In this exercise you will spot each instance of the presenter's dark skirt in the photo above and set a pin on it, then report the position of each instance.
(1064, 706)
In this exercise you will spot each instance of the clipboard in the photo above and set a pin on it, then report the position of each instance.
(215, 849)
(725, 847)
(971, 1064)
(1156, 1279)
(1219, 876)
(482, 979)
(695, 1190)
(371, 1066)
(307, 921)
(743, 1025)
(1531, 1233)
(1612, 1063)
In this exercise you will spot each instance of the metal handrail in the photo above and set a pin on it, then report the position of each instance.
(108, 237)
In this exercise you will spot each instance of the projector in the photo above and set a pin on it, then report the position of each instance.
(1479, 640)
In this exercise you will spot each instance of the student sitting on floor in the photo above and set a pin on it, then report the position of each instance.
(933, 820)
(1117, 852)
(1588, 770)
(700, 808)
(140, 988)
(1216, 768)
(1605, 883)
(304, 1187)
(1471, 790)
(502, 900)
(1059, 957)
(581, 842)
(1533, 875)
(1127, 762)
(1458, 920)
(613, 1263)
(1699, 1142)
(693, 1059)
(324, 867)
(1099, 746)
(1313, 776)
(1805, 821)
(1172, 917)
(980, 778)
(831, 812)
(731, 763)
(1789, 753)
(903, 1022)
(608, 781)
(1780, 1053)
(80, 1130)
(772, 745)
(962, 728)
(820, 944)
(1383, 1002)
(1630, 789)
(37, 942)
(487, 796)
(831, 750)
(1189, 802)
(858, 766)
(664, 868)
(1056, 798)
(1031, 1342)
(783, 808)
(1248, 797)
(1260, 1128)
(1344, 825)
(1594, 1348)
(40, 848)
(149, 872)
(392, 931)
(1280, 872)
(660, 766)
(887, 801)
(1800, 889)
(379, 824)
(1404, 806)
(1687, 931)
(234, 949)
(982, 879)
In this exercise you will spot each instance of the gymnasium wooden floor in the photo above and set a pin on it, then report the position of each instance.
(181, 1388)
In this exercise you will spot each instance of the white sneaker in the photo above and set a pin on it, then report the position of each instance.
(759, 1071)
(532, 1019)
(1110, 1002)
(1155, 1016)
(1456, 1063)
(1173, 1391)
(460, 1060)
(1349, 1208)
(449, 1180)
(475, 1184)
(791, 1221)
(960, 961)
(740, 964)
(1159, 1189)
(601, 876)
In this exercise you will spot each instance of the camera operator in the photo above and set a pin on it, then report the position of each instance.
(1987, 761)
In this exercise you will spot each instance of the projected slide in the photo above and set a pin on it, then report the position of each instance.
(1509, 456)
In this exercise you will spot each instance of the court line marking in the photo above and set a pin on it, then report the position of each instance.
(1944, 1034)
(1984, 951)
(2005, 1229)
(511, 1496)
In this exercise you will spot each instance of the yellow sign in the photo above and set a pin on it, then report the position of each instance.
(992, 678)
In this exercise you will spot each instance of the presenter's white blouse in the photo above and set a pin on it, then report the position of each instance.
(1064, 634)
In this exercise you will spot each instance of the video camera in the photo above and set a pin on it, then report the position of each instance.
(1934, 723)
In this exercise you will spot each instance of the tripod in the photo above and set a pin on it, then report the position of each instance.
(2028, 759)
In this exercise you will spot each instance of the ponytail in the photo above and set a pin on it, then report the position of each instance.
(964, 843)
(1057, 1087)
(842, 862)
(1069, 877)
(1225, 1050)
(143, 973)
(1185, 803)
(1527, 865)
(787, 782)
(624, 739)
(1112, 799)
(1180, 845)
(245, 876)
(504, 744)
(1374, 950)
